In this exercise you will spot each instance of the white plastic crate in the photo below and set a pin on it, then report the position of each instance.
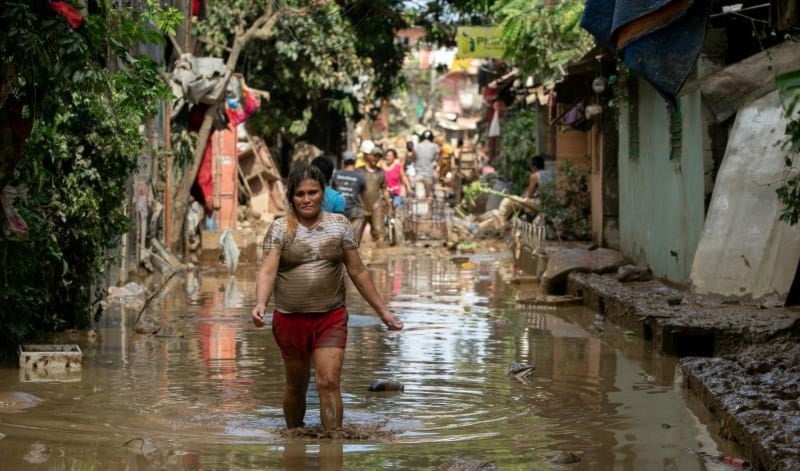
(50, 357)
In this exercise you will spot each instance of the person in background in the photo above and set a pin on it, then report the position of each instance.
(541, 179)
(364, 150)
(351, 184)
(333, 201)
(306, 255)
(376, 196)
(409, 157)
(410, 169)
(426, 155)
(444, 166)
(396, 180)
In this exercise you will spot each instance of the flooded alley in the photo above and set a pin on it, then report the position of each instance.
(206, 391)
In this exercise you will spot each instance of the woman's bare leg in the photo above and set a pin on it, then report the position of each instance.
(298, 373)
(328, 369)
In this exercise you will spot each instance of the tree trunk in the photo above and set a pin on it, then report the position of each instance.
(184, 185)
(262, 28)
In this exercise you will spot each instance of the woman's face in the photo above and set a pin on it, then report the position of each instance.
(389, 157)
(307, 199)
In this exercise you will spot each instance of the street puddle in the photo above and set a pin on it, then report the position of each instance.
(209, 394)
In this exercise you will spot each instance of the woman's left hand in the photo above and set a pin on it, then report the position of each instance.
(391, 321)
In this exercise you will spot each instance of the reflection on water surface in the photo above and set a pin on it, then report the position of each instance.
(207, 393)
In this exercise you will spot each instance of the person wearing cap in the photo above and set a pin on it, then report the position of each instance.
(364, 150)
(351, 184)
(376, 196)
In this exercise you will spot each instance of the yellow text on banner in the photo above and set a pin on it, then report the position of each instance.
(480, 42)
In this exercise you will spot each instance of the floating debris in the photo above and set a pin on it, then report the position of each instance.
(520, 371)
(729, 460)
(552, 300)
(141, 446)
(385, 385)
(458, 464)
(38, 453)
(565, 457)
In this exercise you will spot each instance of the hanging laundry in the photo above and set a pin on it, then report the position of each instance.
(14, 228)
(199, 9)
(70, 13)
(244, 108)
(494, 127)
(230, 251)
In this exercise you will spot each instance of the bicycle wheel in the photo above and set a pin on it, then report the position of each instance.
(389, 223)
(397, 231)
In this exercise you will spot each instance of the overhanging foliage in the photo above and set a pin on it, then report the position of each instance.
(542, 39)
(789, 190)
(81, 152)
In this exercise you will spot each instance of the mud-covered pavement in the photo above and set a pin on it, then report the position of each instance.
(741, 362)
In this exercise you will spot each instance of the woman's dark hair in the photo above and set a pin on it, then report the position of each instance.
(409, 145)
(297, 175)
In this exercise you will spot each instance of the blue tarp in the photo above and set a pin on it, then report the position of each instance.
(664, 53)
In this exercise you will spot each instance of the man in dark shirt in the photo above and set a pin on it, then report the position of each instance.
(351, 185)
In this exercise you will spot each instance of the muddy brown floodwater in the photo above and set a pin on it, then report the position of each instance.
(207, 395)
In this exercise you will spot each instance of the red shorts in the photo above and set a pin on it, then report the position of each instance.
(299, 334)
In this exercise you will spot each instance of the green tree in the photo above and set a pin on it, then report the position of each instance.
(518, 146)
(541, 39)
(441, 18)
(338, 53)
(310, 59)
(307, 54)
(83, 148)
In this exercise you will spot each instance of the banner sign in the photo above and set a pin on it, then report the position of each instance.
(479, 42)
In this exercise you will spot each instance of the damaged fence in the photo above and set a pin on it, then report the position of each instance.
(425, 220)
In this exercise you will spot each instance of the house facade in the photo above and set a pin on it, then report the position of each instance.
(699, 163)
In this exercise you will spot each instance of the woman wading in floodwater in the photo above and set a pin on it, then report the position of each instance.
(305, 257)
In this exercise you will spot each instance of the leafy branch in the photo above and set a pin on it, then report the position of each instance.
(789, 190)
(542, 39)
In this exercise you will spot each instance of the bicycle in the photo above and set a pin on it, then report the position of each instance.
(394, 230)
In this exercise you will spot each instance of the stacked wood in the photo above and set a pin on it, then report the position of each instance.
(260, 180)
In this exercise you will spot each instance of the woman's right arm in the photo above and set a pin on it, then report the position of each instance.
(265, 283)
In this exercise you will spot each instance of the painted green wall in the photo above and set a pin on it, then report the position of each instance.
(661, 209)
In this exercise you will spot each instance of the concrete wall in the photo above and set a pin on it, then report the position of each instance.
(661, 206)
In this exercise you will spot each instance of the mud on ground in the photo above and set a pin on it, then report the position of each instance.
(355, 432)
(742, 362)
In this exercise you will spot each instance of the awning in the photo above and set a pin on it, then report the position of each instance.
(660, 40)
